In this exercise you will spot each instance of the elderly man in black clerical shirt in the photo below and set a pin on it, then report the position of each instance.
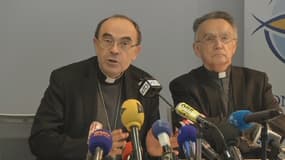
(93, 90)
(217, 88)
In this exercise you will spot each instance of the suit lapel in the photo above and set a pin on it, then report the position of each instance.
(131, 86)
(90, 91)
(237, 79)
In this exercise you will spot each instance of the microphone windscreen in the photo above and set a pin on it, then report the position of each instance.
(237, 118)
(161, 126)
(95, 125)
(128, 150)
(187, 133)
(100, 138)
(132, 114)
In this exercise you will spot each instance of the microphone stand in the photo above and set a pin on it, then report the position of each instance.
(167, 153)
(168, 103)
(136, 143)
(198, 155)
(98, 154)
(227, 153)
(264, 137)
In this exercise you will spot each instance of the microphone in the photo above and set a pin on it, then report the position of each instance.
(162, 131)
(187, 134)
(132, 117)
(95, 125)
(127, 153)
(100, 143)
(231, 136)
(151, 87)
(274, 144)
(242, 118)
(273, 140)
(190, 113)
(207, 150)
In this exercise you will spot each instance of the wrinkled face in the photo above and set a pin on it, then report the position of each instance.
(116, 46)
(216, 43)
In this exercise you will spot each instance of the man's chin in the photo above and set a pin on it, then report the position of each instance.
(220, 67)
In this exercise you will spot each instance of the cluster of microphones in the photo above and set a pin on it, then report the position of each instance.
(100, 140)
(190, 137)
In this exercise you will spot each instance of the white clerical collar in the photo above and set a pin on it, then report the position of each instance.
(109, 80)
(222, 75)
(218, 75)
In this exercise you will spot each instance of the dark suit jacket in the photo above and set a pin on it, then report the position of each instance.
(250, 90)
(68, 107)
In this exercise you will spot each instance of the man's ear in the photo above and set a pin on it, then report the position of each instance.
(196, 48)
(95, 42)
(235, 47)
(137, 52)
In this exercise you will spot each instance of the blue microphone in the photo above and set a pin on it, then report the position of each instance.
(100, 143)
(238, 119)
(187, 134)
(162, 131)
(242, 118)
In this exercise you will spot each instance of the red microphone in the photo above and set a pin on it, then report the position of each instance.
(128, 151)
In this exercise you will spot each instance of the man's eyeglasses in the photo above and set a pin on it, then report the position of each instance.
(123, 44)
(213, 38)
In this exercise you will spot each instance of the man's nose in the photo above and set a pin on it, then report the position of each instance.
(115, 48)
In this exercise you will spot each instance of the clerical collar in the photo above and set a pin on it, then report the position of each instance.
(218, 75)
(108, 80)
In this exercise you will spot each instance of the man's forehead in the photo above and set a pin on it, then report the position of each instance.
(216, 29)
(118, 28)
(216, 33)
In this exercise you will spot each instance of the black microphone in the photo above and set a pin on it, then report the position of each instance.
(262, 116)
(231, 136)
(242, 118)
(132, 117)
(149, 87)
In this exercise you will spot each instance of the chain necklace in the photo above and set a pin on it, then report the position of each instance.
(105, 108)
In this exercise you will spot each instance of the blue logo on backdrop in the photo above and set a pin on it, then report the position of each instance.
(274, 30)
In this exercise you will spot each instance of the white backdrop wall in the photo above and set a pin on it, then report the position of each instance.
(37, 36)
(258, 52)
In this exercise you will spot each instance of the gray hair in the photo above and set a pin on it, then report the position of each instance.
(214, 15)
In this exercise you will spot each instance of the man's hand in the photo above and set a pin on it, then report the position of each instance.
(119, 141)
(153, 146)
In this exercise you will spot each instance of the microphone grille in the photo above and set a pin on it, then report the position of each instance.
(132, 114)
(187, 133)
(161, 126)
(237, 118)
(100, 138)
